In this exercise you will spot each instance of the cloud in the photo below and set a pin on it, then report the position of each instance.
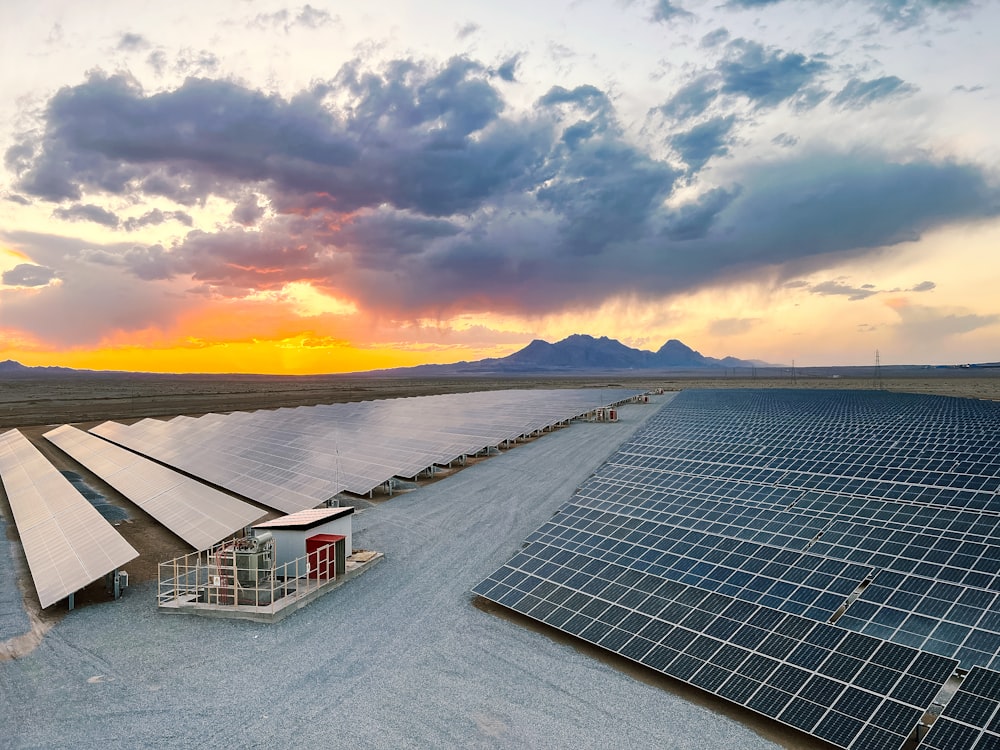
(837, 287)
(702, 142)
(932, 325)
(766, 76)
(785, 140)
(131, 42)
(416, 137)
(715, 38)
(87, 212)
(28, 274)
(858, 94)
(905, 14)
(306, 17)
(694, 220)
(413, 191)
(751, 3)
(968, 89)
(507, 70)
(692, 99)
(15, 198)
(247, 211)
(853, 294)
(902, 14)
(156, 217)
(157, 60)
(808, 206)
(466, 30)
(665, 10)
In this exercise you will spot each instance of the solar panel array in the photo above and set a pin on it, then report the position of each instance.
(972, 717)
(66, 541)
(875, 512)
(296, 458)
(199, 514)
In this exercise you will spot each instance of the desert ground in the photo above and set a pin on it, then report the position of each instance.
(31, 401)
(386, 635)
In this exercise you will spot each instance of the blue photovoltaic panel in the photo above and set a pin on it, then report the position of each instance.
(972, 717)
(877, 512)
(827, 681)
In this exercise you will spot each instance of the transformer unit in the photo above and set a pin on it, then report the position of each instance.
(252, 557)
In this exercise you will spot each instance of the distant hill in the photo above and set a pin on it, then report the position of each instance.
(13, 368)
(580, 353)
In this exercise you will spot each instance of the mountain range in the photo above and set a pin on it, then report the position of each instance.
(582, 353)
(578, 353)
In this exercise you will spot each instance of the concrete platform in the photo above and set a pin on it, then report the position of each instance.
(280, 608)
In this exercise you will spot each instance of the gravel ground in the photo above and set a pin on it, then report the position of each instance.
(13, 618)
(397, 658)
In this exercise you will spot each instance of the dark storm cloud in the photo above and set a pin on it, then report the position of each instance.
(766, 76)
(412, 191)
(858, 94)
(87, 212)
(795, 211)
(247, 211)
(381, 239)
(28, 274)
(702, 142)
(15, 198)
(694, 221)
(416, 138)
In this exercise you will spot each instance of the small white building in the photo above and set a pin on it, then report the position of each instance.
(291, 532)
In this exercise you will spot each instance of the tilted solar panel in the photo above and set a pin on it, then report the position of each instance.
(873, 511)
(199, 514)
(67, 543)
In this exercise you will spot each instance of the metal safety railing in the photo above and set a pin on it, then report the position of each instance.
(214, 579)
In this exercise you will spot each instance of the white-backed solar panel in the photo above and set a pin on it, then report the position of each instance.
(67, 543)
(200, 515)
(292, 459)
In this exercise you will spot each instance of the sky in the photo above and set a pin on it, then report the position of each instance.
(258, 186)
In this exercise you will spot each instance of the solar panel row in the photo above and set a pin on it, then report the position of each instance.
(874, 511)
(200, 515)
(67, 543)
(972, 717)
(848, 689)
(292, 459)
